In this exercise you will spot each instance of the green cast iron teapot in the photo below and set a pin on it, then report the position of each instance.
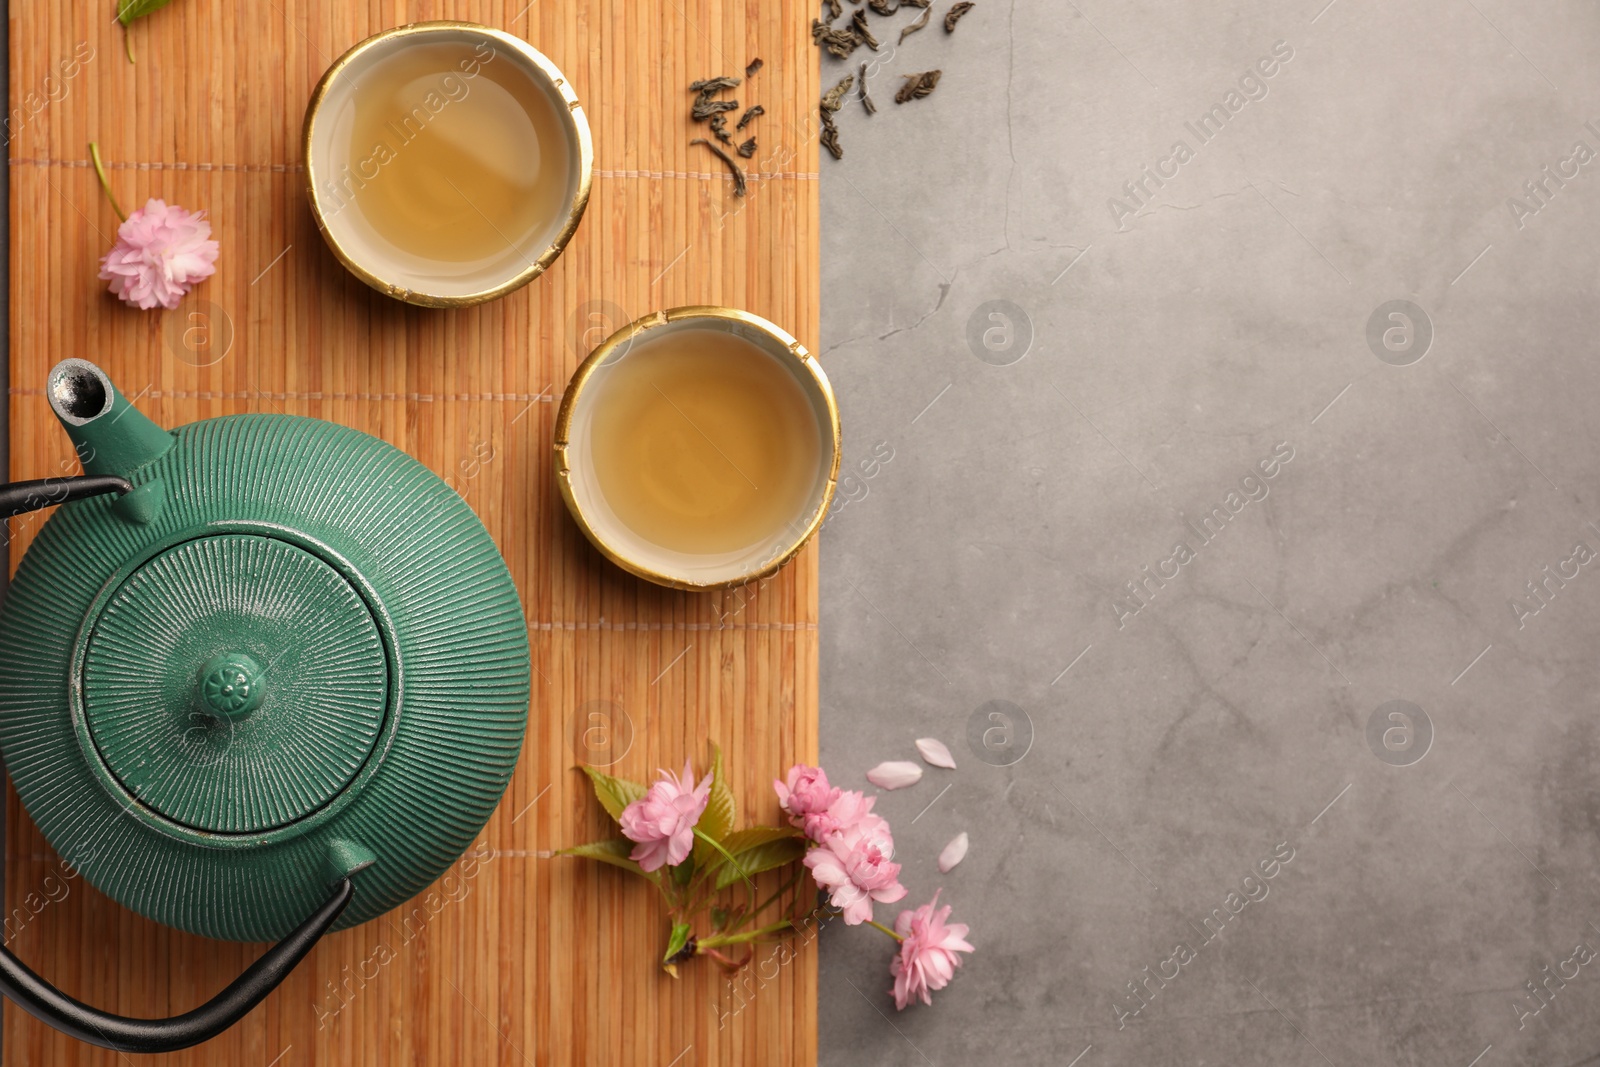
(261, 677)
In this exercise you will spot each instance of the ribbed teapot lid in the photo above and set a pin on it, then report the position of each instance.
(235, 683)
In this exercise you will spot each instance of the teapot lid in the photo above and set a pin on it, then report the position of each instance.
(235, 683)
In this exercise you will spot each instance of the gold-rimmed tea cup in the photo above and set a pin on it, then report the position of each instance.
(631, 545)
(344, 181)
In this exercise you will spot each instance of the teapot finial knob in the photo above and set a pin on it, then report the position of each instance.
(231, 686)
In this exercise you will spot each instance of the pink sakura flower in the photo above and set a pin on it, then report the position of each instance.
(662, 821)
(927, 958)
(849, 809)
(161, 252)
(805, 792)
(855, 868)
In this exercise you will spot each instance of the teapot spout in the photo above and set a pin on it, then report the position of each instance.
(110, 434)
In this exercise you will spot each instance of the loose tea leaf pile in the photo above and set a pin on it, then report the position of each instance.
(708, 108)
(841, 41)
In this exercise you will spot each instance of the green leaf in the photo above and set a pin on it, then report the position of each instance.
(614, 852)
(721, 811)
(614, 794)
(128, 10)
(719, 918)
(675, 943)
(683, 873)
(751, 836)
(763, 857)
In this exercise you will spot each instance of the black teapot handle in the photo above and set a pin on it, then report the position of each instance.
(49, 1005)
(19, 498)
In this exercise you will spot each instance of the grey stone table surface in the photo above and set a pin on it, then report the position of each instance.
(1368, 271)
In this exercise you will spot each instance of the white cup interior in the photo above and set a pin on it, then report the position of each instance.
(337, 177)
(686, 568)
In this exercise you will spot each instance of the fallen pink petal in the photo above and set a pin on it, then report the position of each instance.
(935, 753)
(160, 254)
(953, 853)
(895, 774)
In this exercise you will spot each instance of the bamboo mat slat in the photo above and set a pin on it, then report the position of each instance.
(512, 959)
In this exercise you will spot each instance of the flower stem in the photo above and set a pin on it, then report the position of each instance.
(105, 183)
(885, 929)
(718, 940)
(773, 899)
(730, 964)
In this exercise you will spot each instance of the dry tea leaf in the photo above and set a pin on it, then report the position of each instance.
(866, 101)
(819, 30)
(704, 108)
(830, 135)
(834, 9)
(917, 25)
(916, 3)
(738, 174)
(883, 7)
(858, 22)
(744, 120)
(755, 65)
(748, 149)
(841, 43)
(917, 86)
(954, 16)
(712, 85)
(833, 99)
(719, 126)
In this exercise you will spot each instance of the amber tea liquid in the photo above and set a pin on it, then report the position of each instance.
(704, 443)
(459, 156)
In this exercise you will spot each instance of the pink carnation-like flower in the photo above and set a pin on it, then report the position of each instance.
(805, 792)
(663, 820)
(161, 252)
(855, 868)
(850, 809)
(927, 958)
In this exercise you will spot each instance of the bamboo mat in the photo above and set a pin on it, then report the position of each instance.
(515, 958)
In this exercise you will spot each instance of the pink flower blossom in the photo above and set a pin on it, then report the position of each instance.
(849, 809)
(927, 958)
(663, 820)
(161, 252)
(805, 792)
(855, 868)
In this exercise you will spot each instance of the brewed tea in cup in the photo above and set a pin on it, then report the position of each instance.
(447, 163)
(698, 447)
